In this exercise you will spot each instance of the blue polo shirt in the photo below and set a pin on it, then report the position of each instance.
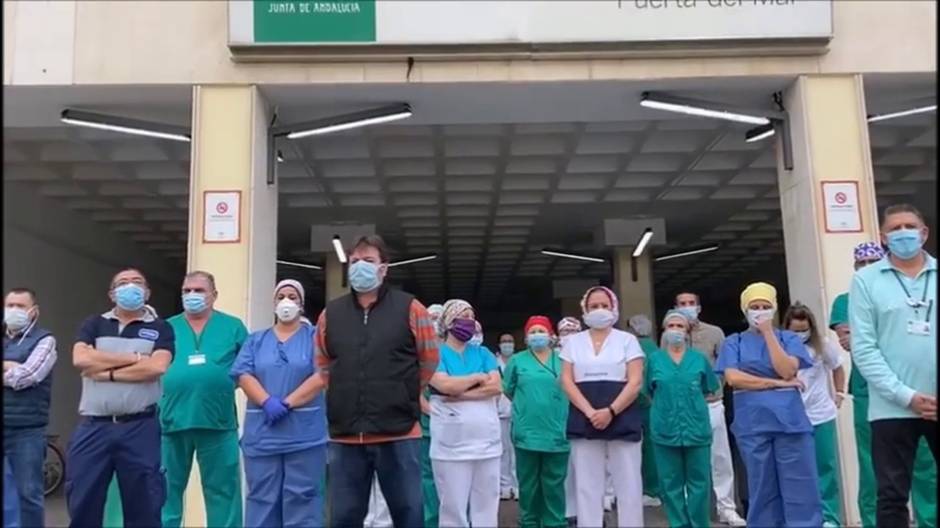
(891, 346)
(105, 333)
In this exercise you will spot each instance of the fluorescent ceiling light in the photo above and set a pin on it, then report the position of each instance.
(644, 240)
(686, 253)
(348, 121)
(412, 261)
(759, 133)
(124, 125)
(903, 113)
(571, 256)
(338, 246)
(298, 264)
(688, 108)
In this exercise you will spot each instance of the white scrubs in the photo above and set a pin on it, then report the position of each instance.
(817, 396)
(722, 465)
(465, 455)
(507, 462)
(592, 458)
(378, 515)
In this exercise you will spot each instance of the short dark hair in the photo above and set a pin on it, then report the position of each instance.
(28, 291)
(687, 292)
(902, 208)
(373, 241)
(129, 268)
(197, 274)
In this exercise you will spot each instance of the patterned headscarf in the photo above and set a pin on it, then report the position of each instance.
(452, 309)
(478, 328)
(869, 251)
(615, 304)
(569, 324)
(293, 284)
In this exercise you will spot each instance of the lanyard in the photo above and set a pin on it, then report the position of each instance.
(913, 303)
(543, 365)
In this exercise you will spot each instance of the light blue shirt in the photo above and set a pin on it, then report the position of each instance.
(895, 361)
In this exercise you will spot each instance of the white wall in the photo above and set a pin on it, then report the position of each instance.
(69, 261)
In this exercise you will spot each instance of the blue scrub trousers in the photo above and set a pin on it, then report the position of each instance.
(782, 480)
(25, 448)
(398, 466)
(11, 501)
(286, 490)
(97, 450)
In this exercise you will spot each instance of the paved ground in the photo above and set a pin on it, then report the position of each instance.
(57, 516)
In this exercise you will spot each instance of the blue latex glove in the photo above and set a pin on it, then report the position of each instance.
(274, 410)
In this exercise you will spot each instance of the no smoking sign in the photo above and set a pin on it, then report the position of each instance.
(222, 220)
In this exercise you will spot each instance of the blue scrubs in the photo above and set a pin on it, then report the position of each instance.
(285, 463)
(774, 436)
(11, 501)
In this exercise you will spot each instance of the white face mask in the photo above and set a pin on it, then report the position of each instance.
(756, 316)
(287, 310)
(804, 335)
(599, 319)
(16, 319)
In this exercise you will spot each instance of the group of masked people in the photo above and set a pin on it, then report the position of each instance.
(384, 395)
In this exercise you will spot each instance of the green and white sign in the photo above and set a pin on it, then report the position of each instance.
(521, 24)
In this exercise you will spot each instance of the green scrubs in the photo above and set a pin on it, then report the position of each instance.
(539, 421)
(924, 483)
(681, 433)
(827, 466)
(113, 510)
(198, 417)
(648, 465)
(431, 502)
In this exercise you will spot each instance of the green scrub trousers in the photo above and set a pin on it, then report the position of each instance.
(431, 502)
(113, 510)
(827, 466)
(541, 488)
(650, 475)
(923, 486)
(218, 458)
(685, 476)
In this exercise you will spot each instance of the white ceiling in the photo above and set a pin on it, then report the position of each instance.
(484, 176)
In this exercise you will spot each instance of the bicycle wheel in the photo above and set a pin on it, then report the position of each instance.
(53, 469)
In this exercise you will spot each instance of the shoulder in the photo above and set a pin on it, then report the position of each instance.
(698, 355)
(712, 329)
(175, 319)
(872, 273)
(226, 318)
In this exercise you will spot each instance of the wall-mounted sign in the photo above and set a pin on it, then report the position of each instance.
(222, 217)
(841, 208)
(502, 22)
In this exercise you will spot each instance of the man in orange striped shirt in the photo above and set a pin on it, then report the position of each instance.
(376, 349)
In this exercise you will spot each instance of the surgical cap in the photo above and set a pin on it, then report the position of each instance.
(435, 310)
(759, 291)
(675, 314)
(452, 309)
(538, 320)
(613, 298)
(571, 324)
(293, 284)
(869, 251)
(641, 325)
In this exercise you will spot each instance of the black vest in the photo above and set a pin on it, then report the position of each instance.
(28, 407)
(374, 375)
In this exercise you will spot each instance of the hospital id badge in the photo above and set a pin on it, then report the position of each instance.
(921, 328)
(197, 359)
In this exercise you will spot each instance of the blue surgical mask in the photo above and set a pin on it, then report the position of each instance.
(538, 340)
(507, 349)
(476, 340)
(673, 337)
(129, 297)
(16, 319)
(364, 276)
(194, 302)
(690, 312)
(804, 335)
(905, 244)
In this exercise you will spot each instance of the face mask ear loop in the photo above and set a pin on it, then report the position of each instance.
(26, 332)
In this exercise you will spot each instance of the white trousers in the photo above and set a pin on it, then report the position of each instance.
(722, 468)
(467, 482)
(571, 491)
(624, 460)
(378, 515)
(507, 462)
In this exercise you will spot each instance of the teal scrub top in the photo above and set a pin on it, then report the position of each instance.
(648, 346)
(839, 314)
(475, 359)
(679, 414)
(539, 405)
(198, 392)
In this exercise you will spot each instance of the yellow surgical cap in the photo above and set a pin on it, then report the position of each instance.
(759, 291)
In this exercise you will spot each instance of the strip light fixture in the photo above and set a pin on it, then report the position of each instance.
(644, 241)
(339, 123)
(412, 261)
(902, 113)
(340, 252)
(125, 125)
(687, 253)
(298, 264)
(571, 256)
(759, 134)
(697, 108)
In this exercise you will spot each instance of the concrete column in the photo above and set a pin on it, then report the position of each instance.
(829, 132)
(229, 153)
(334, 277)
(636, 296)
